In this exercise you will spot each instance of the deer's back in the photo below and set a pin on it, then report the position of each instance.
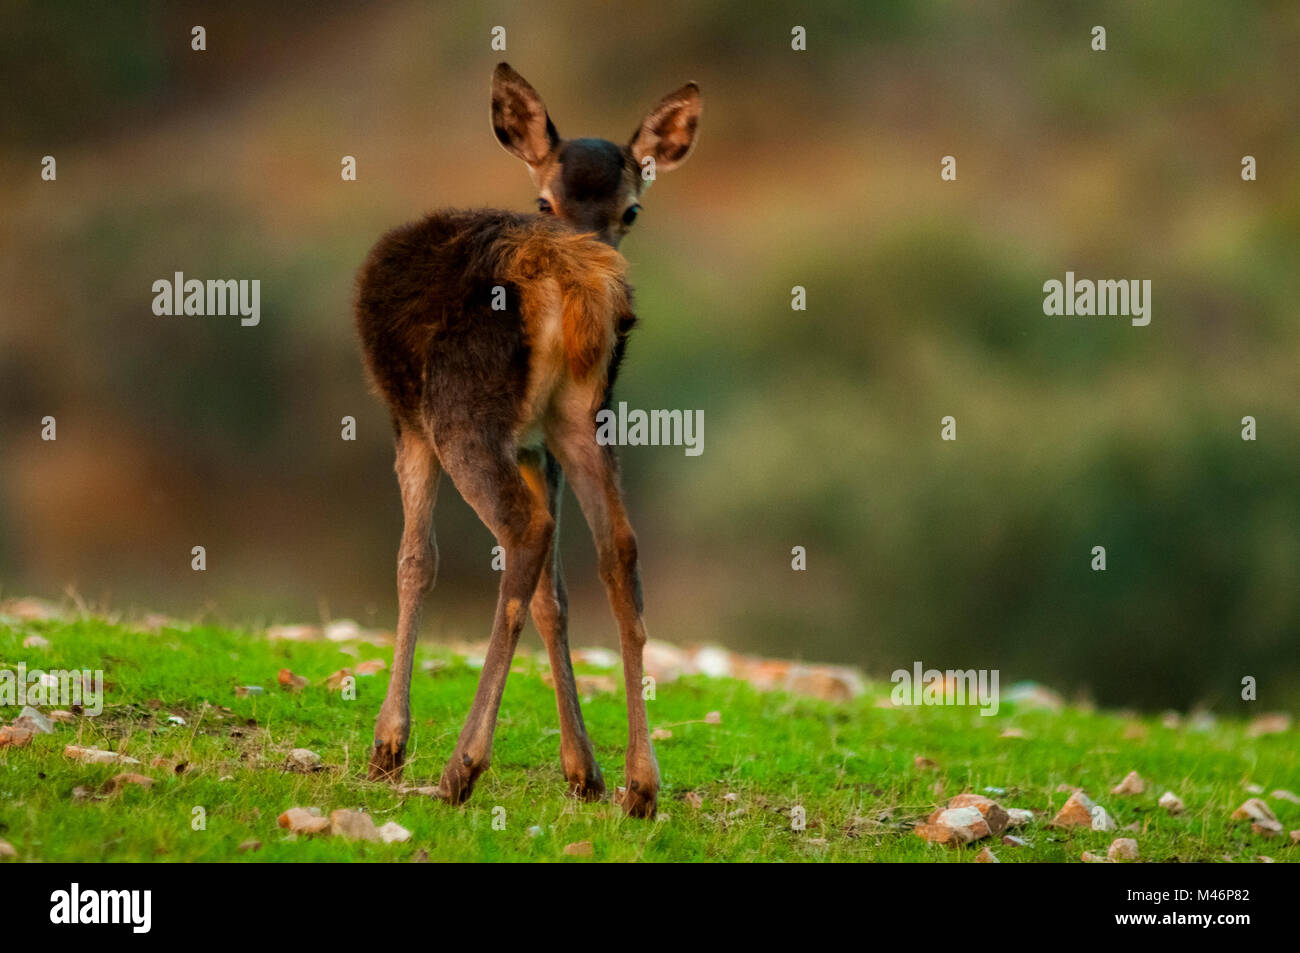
(427, 324)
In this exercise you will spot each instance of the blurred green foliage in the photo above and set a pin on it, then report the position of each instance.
(821, 427)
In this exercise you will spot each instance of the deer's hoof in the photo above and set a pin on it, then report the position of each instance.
(458, 778)
(587, 786)
(640, 799)
(386, 762)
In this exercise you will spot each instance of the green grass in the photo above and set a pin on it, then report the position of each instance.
(850, 766)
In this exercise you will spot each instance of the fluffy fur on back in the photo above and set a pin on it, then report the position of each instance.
(592, 279)
(425, 319)
(424, 315)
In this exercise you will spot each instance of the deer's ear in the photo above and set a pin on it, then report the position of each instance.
(519, 117)
(668, 133)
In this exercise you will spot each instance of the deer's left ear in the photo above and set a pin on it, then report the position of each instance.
(668, 133)
(519, 119)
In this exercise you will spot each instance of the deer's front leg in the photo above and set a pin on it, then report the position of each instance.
(550, 610)
(417, 565)
(593, 472)
(488, 477)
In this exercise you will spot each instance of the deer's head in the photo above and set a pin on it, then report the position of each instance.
(593, 184)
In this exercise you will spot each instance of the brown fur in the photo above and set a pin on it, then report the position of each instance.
(427, 285)
(472, 387)
(593, 287)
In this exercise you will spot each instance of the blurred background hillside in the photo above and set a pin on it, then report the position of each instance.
(818, 168)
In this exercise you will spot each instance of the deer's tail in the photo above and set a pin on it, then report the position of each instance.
(592, 278)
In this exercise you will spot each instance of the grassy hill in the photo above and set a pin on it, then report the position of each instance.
(729, 787)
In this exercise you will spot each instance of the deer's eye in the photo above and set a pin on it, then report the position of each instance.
(544, 207)
(630, 215)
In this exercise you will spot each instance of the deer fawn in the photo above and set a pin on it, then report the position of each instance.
(502, 393)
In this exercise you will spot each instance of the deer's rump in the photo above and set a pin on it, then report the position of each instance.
(458, 303)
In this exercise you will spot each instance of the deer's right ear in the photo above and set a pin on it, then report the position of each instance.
(668, 133)
(519, 117)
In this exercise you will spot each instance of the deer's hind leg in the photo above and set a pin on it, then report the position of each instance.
(418, 471)
(550, 611)
(487, 475)
(592, 469)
